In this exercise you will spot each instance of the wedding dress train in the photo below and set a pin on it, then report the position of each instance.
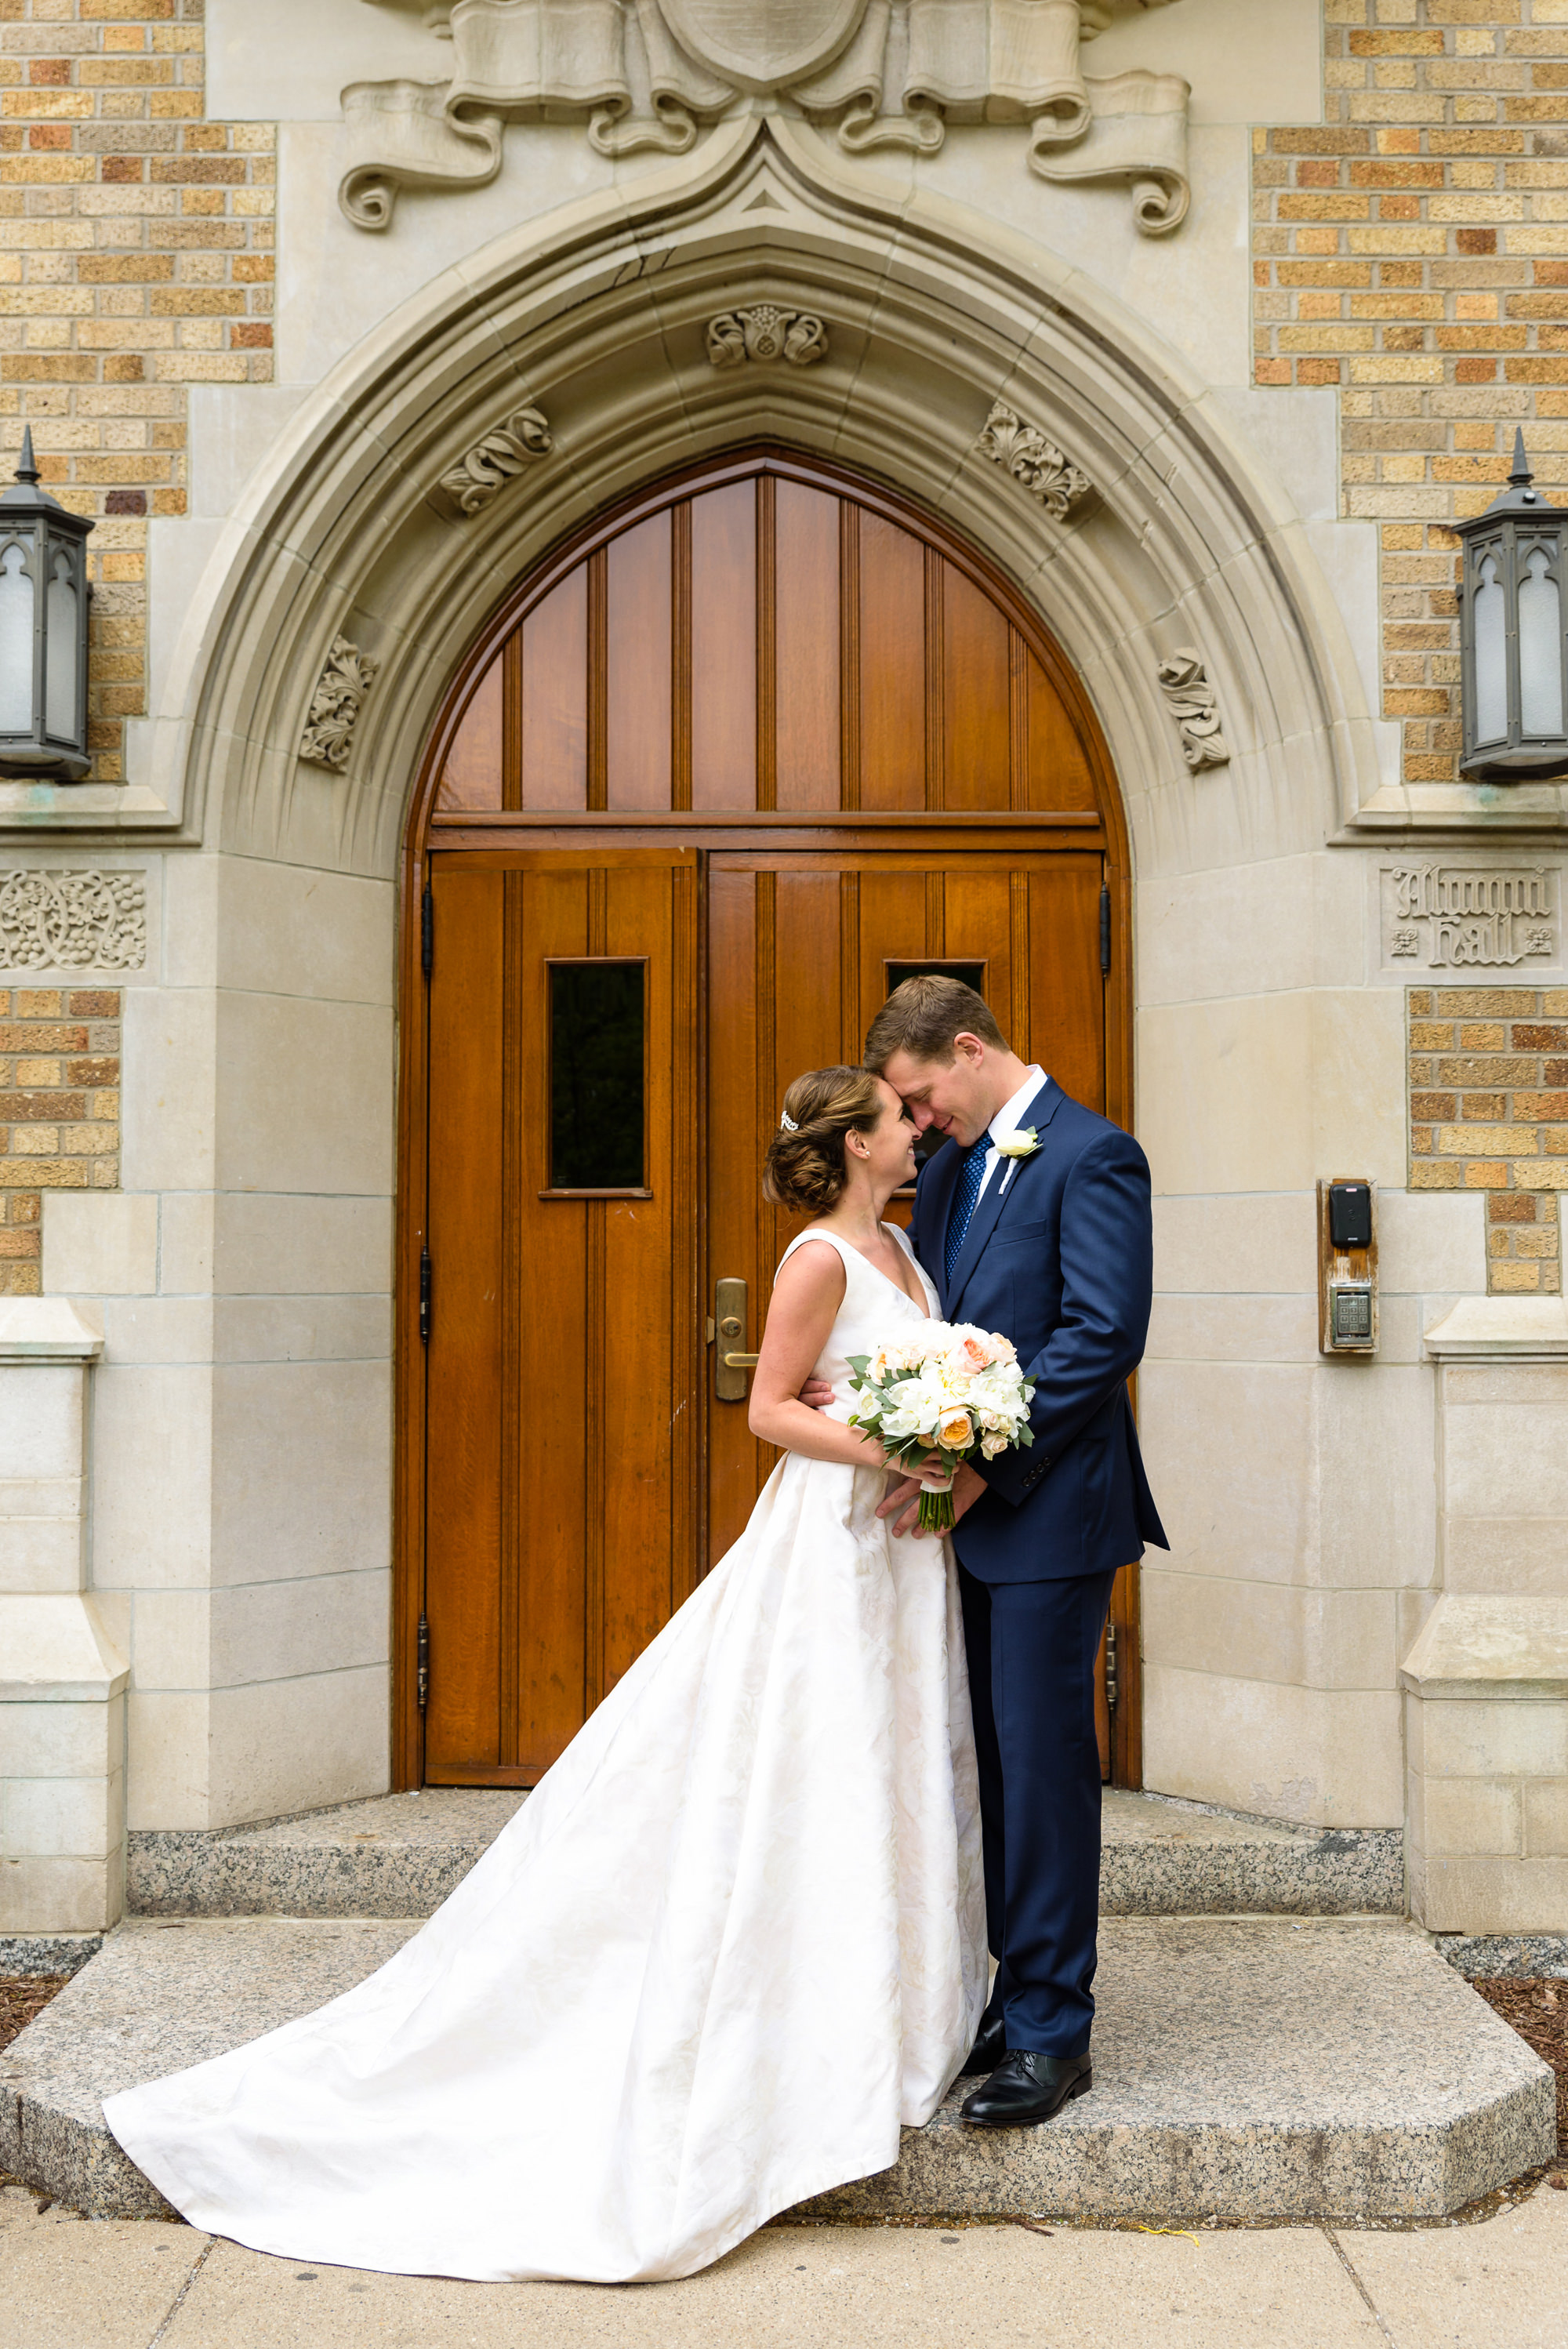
(731, 1942)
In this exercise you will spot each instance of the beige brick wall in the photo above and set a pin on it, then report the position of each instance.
(59, 1111)
(1414, 251)
(1489, 1111)
(135, 258)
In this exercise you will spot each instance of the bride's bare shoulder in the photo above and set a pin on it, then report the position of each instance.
(813, 1267)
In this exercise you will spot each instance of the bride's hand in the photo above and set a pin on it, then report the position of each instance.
(936, 1479)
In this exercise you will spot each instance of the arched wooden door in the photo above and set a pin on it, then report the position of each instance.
(722, 771)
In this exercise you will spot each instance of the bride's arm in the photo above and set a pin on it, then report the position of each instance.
(807, 1296)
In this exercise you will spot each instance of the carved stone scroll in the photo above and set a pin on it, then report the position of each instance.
(1190, 700)
(765, 332)
(873, 75)
(335, 704)
(493, 460)
(57, 919)
(1034, 462)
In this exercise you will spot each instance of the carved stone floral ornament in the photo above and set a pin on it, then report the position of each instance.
(647, 73)
(53, 918)
(335, 704)
(1191, 701)
(1034, 462)
(765, 332)
(496, 457)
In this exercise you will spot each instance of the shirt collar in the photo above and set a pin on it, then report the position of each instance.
(1006, 1118)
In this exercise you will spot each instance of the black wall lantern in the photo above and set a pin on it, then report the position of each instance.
(1513, 634)
(42, 630)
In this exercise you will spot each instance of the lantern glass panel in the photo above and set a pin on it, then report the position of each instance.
(60, 652)
(1491, 654)
(16, 642)
(1540, 647)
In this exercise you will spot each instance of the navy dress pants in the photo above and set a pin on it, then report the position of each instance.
(1032, 1649)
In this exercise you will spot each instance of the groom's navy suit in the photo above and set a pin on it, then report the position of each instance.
(1057, 1256)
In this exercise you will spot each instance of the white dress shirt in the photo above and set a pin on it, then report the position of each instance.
(1008, 1119)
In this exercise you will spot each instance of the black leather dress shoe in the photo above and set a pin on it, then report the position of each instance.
(987, 2051)
(1026, 2087)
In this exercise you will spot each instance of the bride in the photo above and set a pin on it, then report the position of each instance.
(734, 1940)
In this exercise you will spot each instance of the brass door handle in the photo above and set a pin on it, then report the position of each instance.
(729, 1313)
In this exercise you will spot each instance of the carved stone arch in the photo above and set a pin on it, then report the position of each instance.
(596, 320)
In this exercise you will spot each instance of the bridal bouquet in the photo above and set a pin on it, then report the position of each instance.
(934, 1395)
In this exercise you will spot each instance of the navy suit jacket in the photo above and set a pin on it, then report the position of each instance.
(1061, 1262)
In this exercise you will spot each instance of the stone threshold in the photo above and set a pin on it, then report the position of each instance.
(402, 1855)
(1244, 2068)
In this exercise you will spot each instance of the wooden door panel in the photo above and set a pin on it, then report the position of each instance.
(976, 700)
(555, 669)
(637, 644)
(563, 1357)
(891, 712)
(806, 692)
(723, 675)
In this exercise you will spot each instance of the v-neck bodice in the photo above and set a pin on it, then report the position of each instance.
(871, 1300)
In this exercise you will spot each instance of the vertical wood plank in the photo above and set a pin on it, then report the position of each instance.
(463, 1535)
(555, 698)
(891, 698)
(808, 725)
(514, 1172)
(1067, 993)
(976, 696)
(1059, 772)
(638, 621)
(598, 675)
(680, 655)
(724, 647)
(767, 647)
(849, 653)
(731, 1173)
(472, 775)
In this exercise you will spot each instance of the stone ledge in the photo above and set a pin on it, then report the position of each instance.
(1249, 2069)
(1501, 1328)
(1475, 1647)
(402, 1855)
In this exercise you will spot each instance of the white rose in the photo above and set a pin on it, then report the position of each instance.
(1021, 1142)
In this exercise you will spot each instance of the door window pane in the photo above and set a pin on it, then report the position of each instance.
(596, 1062)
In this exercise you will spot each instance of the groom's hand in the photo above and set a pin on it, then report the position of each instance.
(904, 1502)
(816, 1394)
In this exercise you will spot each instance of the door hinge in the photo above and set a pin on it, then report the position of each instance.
(1111, 1691)
(424, 1297)
(427, 930)
(422, 1663)
(1104, 928)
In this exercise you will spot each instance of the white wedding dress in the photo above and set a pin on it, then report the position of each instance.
(734, 1940)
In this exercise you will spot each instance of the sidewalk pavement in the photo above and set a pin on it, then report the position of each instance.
(66, 2283)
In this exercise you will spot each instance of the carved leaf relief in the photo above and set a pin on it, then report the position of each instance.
(765, 332)
(1036, 463)
(335, 704)
(1190, 700)
(496, 457)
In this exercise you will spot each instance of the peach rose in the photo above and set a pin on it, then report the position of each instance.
(975, 1356)
(952, 1429)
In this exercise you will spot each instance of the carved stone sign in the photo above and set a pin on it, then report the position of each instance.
(52, 918)
(1440, 917)
(765, 332)
(334, 705)
(649, 74)
(1034, 462)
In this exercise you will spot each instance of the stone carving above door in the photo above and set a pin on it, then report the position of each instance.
(54, 918)
(765, 332)
(335, 704)
(1443, 916)
(1036, 463)
(649, 73)
(1191, 701)
(496, 457)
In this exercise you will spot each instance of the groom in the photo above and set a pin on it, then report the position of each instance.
(1036, 1223)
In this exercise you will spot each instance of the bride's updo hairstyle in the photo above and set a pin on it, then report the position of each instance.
(804, 1169)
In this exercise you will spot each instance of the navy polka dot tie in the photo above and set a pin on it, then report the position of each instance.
(971, 1175)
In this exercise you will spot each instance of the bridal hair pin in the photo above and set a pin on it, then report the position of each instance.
(788, 1123)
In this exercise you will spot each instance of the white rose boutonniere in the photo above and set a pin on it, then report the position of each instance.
(1022, 1142)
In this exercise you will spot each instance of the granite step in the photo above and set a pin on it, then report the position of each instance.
(1246, 2068)
(401, 1855)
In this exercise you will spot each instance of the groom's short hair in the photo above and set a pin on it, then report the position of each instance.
(923, 1016)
